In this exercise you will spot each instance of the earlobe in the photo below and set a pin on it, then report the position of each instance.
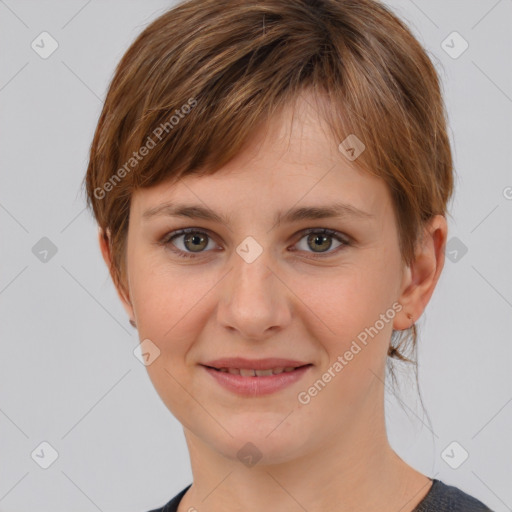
(403, 318)
(422, 275)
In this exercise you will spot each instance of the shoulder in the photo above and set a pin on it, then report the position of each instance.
(446, 498)
(172, 505)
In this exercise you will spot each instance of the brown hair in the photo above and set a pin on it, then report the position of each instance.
(209, 72)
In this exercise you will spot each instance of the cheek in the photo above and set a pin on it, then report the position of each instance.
(350, 316)
(173, 304)
(171, 307)
(167, 314)
(348, 300)
(350, 313)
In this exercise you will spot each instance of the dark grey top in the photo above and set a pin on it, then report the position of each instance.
(440, 498)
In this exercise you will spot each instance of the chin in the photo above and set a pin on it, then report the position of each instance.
(265, 437)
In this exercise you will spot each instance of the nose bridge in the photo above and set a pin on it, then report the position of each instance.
(253, 299)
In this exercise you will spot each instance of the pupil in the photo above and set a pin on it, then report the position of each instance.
(196, 240)
(319, 240)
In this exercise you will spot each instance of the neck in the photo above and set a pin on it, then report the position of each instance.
(353, 469)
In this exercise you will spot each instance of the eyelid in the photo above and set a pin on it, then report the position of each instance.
(328, 231)
(184, 231)
(168, 238)
(343, 238)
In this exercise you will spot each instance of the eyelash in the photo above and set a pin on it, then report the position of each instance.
(169, 237)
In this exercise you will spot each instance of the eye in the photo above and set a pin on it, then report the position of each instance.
(193, 241)
(189, 242)
(320, 240)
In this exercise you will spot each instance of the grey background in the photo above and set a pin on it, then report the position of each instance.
(68, 373)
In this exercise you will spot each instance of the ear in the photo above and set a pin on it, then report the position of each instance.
(104, 241)
(421, 276)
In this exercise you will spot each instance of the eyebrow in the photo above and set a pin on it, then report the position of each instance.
(193, 211)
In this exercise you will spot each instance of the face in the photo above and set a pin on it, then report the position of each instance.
(247, 286)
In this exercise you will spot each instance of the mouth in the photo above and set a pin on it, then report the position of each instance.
(253, 378)
(251, 372)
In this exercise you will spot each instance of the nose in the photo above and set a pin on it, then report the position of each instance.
(255, 303)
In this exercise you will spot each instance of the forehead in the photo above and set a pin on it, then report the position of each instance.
(292, 160)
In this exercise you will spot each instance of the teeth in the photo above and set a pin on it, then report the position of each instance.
(245, 372)
(261, 373)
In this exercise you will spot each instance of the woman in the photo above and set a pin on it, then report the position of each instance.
(270, 181)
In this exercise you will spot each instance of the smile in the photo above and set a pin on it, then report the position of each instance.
(250, 382)
(255, 373)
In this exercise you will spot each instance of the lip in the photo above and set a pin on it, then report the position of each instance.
(258, 386)
(255, 364)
